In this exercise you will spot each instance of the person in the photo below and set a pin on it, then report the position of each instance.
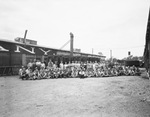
(43, 65)
(65, 65)
(61, 73)
(82, 73)
(24, 74)
(28, 73)
(61, 65)
(73, 71)
(38, 64)
(94, 66)
(75, 63)
(85, 65)
(36, 74)
(29, 65)
(69, 63)
(72, 64)
(46, 63)
(57, 73)
(47, 72)
(50, 64)
(78, 64)
(34, 65)
(21, 71)
(42, 73)
(137, 71)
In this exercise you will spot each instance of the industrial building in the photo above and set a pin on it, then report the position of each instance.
(14, 54)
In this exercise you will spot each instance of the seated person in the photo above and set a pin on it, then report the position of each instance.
(24, 74)
(42, 73)
(21, 71)
(82, 73)
(36, 74)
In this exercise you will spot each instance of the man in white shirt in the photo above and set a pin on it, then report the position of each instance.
(43, 65)
(30, 64)
(61, 65)
(38, 64)
(65, 65)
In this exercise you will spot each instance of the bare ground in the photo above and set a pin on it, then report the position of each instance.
(74, 97)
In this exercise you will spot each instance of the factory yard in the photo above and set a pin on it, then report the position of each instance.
(123, 96)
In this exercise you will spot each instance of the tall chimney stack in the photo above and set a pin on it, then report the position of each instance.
(71, 44)
(25, 36)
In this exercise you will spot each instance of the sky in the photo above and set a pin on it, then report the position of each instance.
(101, 25)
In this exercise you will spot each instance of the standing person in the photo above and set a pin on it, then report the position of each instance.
(46, 64)
(43, 65)
(85, 65)
(29, 65)
(79, 63)
(88, 65)
(55, 65)
(69, 63)
(75, 63)
(95, 65)
(38, 64)
(34, 65)
(50, 64)
(28, 72)
(65, 65)
(61, 65)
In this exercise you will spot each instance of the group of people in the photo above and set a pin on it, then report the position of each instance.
(40, 70)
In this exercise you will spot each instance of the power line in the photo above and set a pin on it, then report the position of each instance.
(64, 44)
(131, 47)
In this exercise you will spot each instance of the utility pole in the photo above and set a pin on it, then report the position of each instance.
(111, 55)
(92, 51)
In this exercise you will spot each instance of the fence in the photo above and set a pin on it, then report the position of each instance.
(9, 70)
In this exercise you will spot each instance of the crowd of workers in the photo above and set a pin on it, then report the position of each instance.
(40, 70)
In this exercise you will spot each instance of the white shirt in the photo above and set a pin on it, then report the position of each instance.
(61, 65)
(43, 65)
(38, 63)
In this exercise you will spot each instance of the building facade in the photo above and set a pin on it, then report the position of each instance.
(15, 54)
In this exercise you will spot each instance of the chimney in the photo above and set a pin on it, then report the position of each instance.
(71, 44)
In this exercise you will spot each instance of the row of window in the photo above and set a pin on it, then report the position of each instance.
(15, 59)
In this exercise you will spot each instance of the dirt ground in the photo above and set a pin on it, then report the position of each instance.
(73, 97)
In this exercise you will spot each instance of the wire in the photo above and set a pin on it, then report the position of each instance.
(64, 44)
(130, 47)
(141, 46)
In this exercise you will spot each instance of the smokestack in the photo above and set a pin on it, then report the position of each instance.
(129, 53)
(25, 36)
(71, 44)
(111, 55)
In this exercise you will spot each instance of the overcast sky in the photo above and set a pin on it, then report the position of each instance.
(104, 25)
